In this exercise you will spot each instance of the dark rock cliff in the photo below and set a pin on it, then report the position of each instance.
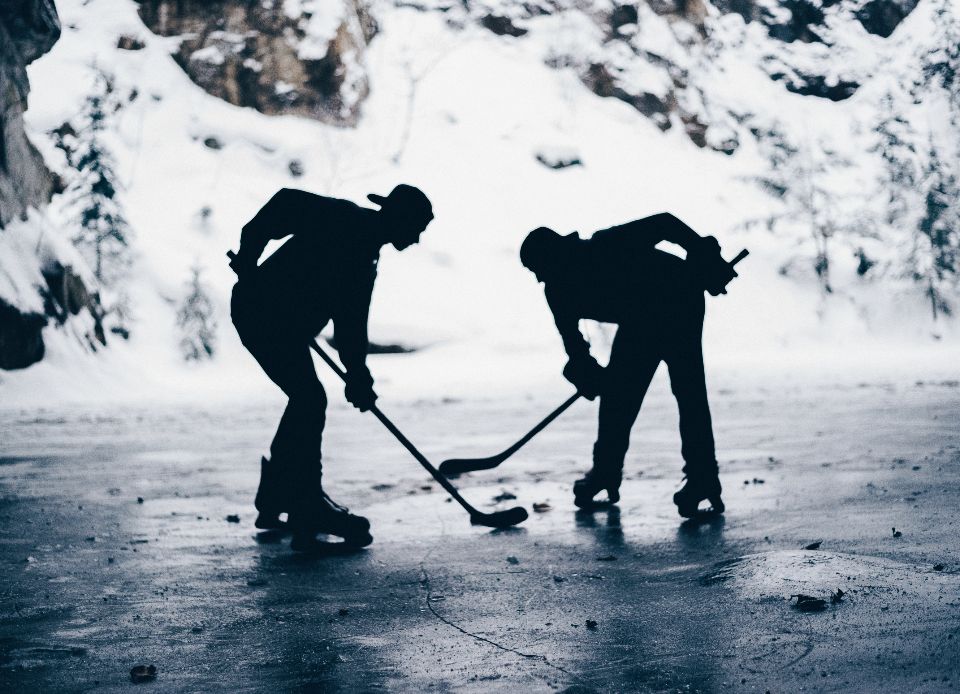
(28, 29)
(252, 53)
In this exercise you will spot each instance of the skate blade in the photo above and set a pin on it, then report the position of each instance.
(715, 509)
(592, 504)
(271, 537)
(317, 547)
(595, 505)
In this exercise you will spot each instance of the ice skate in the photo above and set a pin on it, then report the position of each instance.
(693, 492)
(272, 497)
(591, 484)
(326, 517)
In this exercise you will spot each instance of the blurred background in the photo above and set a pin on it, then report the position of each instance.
(138, 137)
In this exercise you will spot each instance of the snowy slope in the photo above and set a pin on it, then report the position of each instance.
(481, 107)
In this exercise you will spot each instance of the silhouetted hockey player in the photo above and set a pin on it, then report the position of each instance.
(324, 272)
(617, 276)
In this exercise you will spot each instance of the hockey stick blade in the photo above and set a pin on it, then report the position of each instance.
(458, 466)
(500, 519)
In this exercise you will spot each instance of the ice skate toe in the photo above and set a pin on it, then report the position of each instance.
(359, 540)
(586, 489)
(269, 521)
(688, 508)
(583, 499)
(361, 526)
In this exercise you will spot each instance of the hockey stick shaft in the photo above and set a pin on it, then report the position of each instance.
(391, 427)
(542, 425)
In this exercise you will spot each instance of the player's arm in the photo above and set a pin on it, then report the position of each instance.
(660, 227)
(706, 264)
(350, 333)
(582, 370)
(568, 325)
(287, 212)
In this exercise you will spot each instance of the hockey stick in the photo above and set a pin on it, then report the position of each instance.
(498, 519)
(458, 466)
(740, 256)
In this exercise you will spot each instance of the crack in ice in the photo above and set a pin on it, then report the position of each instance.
(425, 582)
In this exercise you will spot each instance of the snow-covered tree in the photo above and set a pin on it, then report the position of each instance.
(895, 144)
(892, 213)
(104, 234)
(934, 258)
(920, 220)
(801, 178)
(941, 65)
(196, 321)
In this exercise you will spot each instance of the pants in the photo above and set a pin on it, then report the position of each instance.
(638, 349)
(284, 354)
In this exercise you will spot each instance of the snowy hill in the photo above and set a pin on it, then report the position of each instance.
(700, 110)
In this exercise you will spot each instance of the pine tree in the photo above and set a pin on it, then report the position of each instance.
(941, 65)
(898, 178)
(800, 181)
(935, 253)
(195, 319)
(104, 234)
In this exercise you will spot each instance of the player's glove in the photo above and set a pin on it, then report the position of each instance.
(359, 393)
(243, 264)
(586, 375)
(708, 267)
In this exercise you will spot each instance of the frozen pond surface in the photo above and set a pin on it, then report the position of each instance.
(94, 582)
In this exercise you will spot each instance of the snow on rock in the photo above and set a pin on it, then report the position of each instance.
(660, 56)
(210, 54)
(319, 21)
(558, 156)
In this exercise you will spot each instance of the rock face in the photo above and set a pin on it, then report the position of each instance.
(651, 54)
(816, 85)
(21, 337)
(637, 51)
(28, 29)
(303, 58)
(801, 20)
(881, 17)
(66, 295)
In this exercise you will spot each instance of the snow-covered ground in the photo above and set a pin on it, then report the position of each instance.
(463, 114)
